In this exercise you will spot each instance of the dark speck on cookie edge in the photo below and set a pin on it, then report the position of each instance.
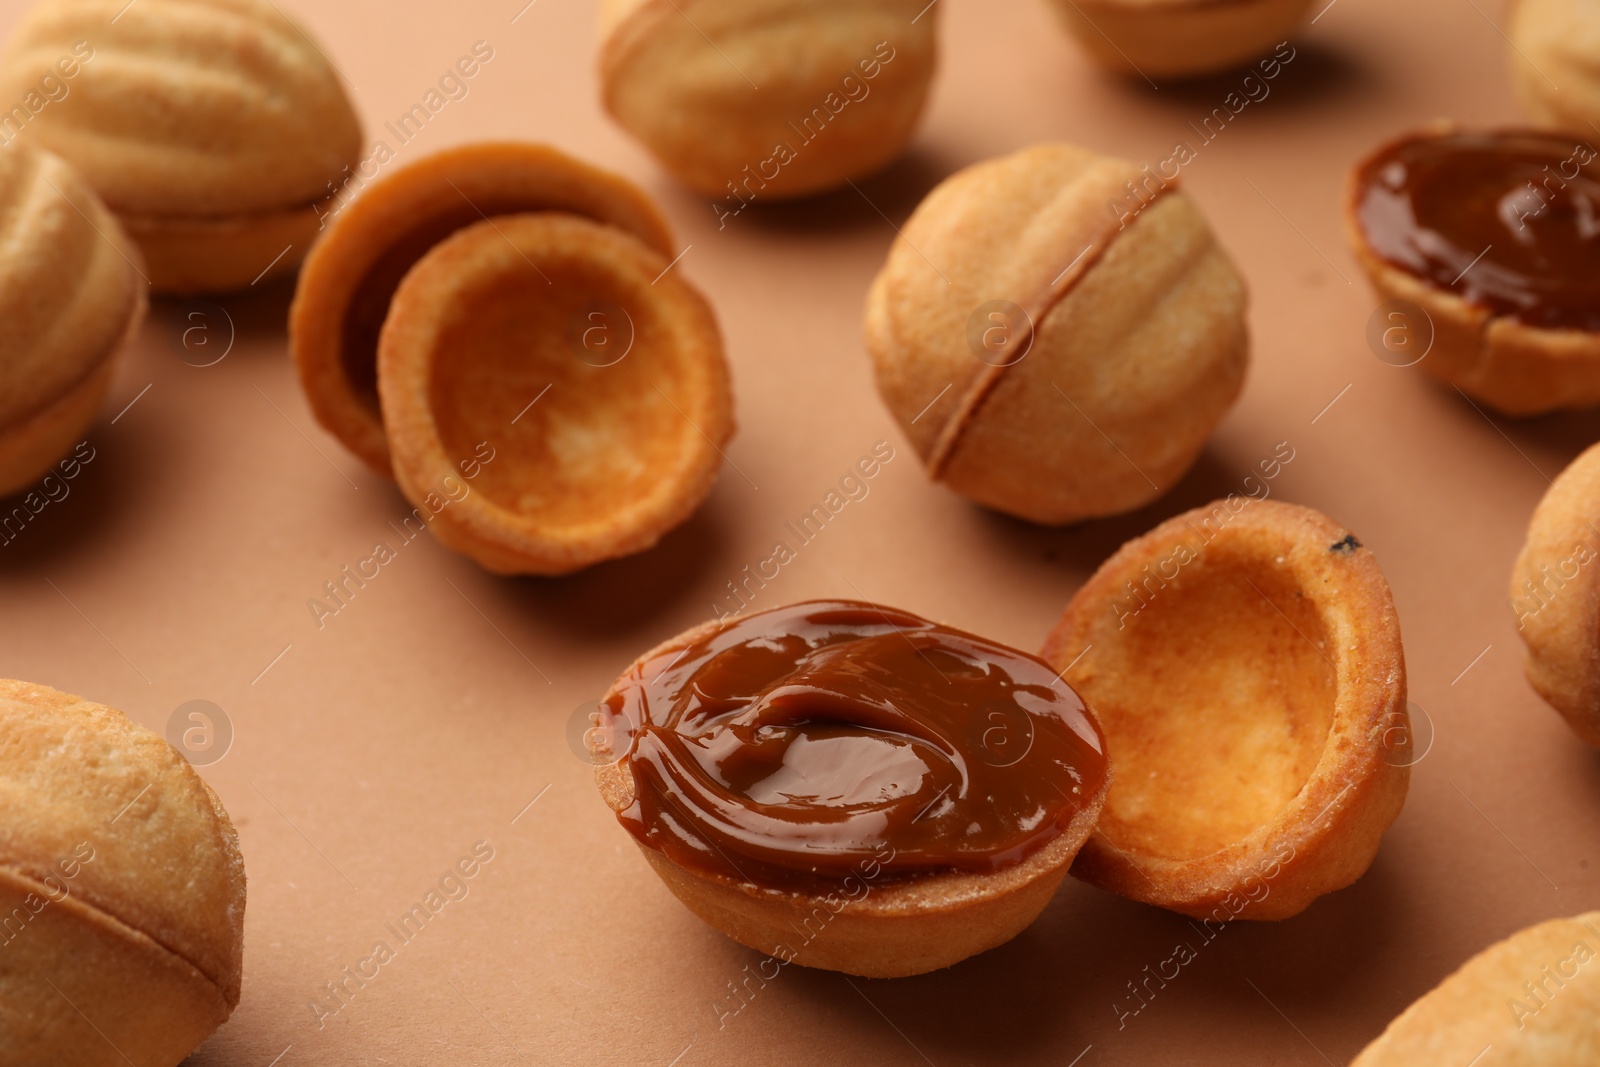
(1349, 544)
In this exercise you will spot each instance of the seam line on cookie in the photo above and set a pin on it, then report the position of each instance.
(985, 382)
(74, 900)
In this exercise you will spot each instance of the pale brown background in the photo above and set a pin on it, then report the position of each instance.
(375, 752)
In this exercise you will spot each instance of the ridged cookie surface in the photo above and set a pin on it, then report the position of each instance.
(185, 108)
(69, 285)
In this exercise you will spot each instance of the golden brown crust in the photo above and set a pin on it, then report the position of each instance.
(483, 347)
(1094, 410)
(682, 76)
(211, 127)
(869, 928)
(344, 290)
(1555, 63)
(70, 296)
(1244, 661)
(197, 255)
(1179, 38)
(1532, 1000)
(1512, 367)
(186, 108)
(78, 986)
(1555, 594)
(999, 228)
(30, 448)
(80, 779)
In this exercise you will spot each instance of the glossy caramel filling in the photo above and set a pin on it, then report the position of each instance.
(790, 748)
(1508, 221)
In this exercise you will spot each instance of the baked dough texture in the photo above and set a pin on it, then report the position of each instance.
(1555, 594)
(122, 890)
(1244, 662)
(344, 292)
(70, 295)
(768, 99)
(1532, 1000)
(592, 458)
(1121, 327)
(212, 127)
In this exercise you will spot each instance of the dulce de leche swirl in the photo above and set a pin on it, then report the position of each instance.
(794, 746)
(1509, 221)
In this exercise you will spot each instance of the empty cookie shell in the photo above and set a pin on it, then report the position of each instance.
(1556, 595)
(70, 296)
(122, 886)
(1179, 38)
(1244, 660)
(1532, 1000)
(591, 372)
(345, 288)
(751, 100)
(1058, 333)
(213, 128)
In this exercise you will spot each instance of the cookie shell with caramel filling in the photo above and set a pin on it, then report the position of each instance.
(1519, 361)
(867, 923)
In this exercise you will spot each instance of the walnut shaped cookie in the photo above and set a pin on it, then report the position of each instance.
(214, 129)
(1058, 333)
(121, 887)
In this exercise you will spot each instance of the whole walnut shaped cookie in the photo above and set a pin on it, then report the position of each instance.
(1058, 333)
(1555, 63)
(213, 128)
(70, 295)
(121, 887)
(1179, 38)
(768, 99)
(1532, 1000)
(1555, 593)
